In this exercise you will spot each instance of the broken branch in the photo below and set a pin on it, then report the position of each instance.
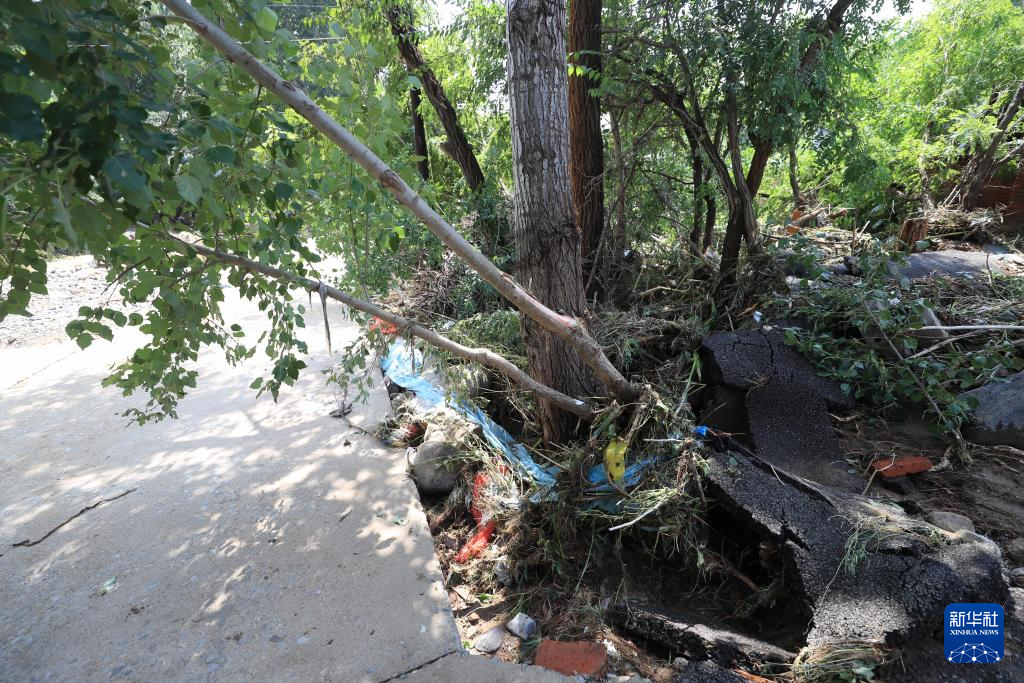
(28, 544)
(477, 355)
(568, 328)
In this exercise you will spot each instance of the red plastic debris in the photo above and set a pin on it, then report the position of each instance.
(476, 545)
(588, 659)
(898, 467)
(384, 327)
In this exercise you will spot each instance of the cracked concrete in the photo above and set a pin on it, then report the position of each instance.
(262, 542)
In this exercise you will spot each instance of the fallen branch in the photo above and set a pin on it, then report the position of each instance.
(28, 544)
(1015, 328)
(477, 355)
(944, 342)
(566, 327)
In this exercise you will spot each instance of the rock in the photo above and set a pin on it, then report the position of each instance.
(998, 416)
(762, 388)
(1015, 550)
(490, 641)
(572, 658)
(430, 467)
(961, 264)
(679, 663)
(968, 536)
(1017, 577)
(522, 626)
(950, 521)
(699, 638)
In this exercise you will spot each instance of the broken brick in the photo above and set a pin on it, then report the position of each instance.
(903, 465)
(569, 658)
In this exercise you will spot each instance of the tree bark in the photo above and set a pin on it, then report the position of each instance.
(419, 135)
(563, 326)
(543, 221)
(458, 147)
(586, 146)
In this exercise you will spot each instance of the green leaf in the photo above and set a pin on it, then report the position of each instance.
(190, 189)
(21, 119)
(266, 19)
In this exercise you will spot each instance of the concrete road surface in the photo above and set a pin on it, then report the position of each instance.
(243, 541)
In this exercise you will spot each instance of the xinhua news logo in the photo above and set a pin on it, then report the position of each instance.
(974, 633)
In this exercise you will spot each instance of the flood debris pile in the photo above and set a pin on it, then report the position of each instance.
(750, 518)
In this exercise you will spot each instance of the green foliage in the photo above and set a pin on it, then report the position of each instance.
(498, 331)
(122, 133)
(918, 100)
(845, 336)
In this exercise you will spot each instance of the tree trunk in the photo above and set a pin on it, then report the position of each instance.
(565, 327)
(419, 135)
(710, 216)
(799, 203)
(980, 168)
(697, 164)
(458, 147)
(547, 242)
(586, 160)
(742, 223)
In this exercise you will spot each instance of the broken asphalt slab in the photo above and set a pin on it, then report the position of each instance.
(998, 412)
(773, 399)
(897, 592)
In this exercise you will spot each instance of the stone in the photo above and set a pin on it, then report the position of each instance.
(968, 536)
(771, 397)
(571, 658)
(950, 521)
(998, 414)
(1017, 577)
(430, 468)
(1015, 550)
(490, 641)
(522, 626)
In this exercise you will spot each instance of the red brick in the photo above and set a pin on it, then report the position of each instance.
(907, 464)
(581, 657)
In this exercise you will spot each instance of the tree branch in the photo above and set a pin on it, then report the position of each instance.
(476, 355)
(565, 327)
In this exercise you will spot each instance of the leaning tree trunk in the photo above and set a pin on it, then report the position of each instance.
(457, 147)
(547, 242)
(586, 161)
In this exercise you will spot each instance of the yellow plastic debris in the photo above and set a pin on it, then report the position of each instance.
(615, 459)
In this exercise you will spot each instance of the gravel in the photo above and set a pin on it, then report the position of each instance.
(72, 281)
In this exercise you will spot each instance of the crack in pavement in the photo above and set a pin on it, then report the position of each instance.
(417, 668)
